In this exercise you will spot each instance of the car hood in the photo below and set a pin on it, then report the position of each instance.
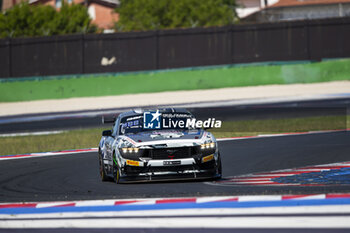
(168, 137)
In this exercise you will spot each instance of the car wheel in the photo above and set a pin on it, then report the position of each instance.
(219, 167)
(116, 171)
(102, 168)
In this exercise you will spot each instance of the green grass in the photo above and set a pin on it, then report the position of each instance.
(87, 138)
(173, 80)
(74, 139)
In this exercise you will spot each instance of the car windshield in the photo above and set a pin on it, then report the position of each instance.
(135, 123)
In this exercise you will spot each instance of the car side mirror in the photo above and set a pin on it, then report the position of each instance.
(107, 133)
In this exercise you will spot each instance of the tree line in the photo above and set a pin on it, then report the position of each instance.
(140, 15)
(24, 20)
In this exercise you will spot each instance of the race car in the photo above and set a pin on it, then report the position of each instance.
(157, 144)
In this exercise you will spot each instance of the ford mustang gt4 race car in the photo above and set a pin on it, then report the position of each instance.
(160, 144)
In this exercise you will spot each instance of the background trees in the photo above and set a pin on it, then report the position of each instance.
(164, 14)
(24, 20)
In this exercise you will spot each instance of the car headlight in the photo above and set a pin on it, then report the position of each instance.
(132, 153)
(207, 148)
(126, 150)
(210, 145)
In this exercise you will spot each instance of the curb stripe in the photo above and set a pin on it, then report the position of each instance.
(269, 178)
(245, 202)
(19, 205)
(183, 200)
(337, 195)
(124, 202)
(164, 201)
(45, 154)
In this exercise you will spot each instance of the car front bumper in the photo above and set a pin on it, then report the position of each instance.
(156, 170)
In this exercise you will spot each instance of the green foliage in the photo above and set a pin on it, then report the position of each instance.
(136, 15)
(24, 20)
(72, 19)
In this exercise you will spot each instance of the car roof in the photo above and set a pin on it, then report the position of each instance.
(136, 112)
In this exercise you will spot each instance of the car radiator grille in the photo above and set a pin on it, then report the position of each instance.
(172, 153)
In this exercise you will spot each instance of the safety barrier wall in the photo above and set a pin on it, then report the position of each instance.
(134, 51)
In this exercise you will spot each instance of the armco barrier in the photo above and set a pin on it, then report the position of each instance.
(120, 51)
(5, 58)
(46, 55)
(134, 51)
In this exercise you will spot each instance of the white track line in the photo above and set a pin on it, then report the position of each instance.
(32, 133)
(46, 154)
(319, 222)
(323, 209)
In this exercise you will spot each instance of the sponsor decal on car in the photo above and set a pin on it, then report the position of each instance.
(207, 158)
(132, 163)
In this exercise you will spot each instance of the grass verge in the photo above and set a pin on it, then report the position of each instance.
(173, 80)
(87, 138)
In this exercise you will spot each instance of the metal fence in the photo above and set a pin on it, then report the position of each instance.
(98, 53)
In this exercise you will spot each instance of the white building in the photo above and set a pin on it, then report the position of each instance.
(248, 7)
(284, 10)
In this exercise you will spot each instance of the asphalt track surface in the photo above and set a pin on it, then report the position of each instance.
(76, 177)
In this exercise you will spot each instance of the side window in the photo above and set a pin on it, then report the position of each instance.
(115, 127)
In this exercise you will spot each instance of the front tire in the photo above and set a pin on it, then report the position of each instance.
(103, 174)
(116, 170)
(219, 167)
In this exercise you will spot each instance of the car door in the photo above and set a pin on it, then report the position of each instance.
(110, 140)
